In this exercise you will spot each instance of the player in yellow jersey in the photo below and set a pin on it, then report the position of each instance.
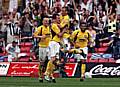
(64, 18)
(54, 45)
(65, 21)
(81, 39)
(57, 36)
(44, 34)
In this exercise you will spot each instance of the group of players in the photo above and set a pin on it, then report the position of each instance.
(57, 35)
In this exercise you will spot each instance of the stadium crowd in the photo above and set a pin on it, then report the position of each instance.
(61, 29)
(102, 18)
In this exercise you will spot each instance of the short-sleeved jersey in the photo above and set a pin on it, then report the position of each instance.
(82, 39)
(42, 30)
(65, 20)
(55, 30)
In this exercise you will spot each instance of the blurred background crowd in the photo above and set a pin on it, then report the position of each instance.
(20, 18)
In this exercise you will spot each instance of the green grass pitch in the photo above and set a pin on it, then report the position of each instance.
(61, 82)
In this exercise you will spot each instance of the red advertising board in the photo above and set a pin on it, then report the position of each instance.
(22, 69)
(70, 69)
(30, 69)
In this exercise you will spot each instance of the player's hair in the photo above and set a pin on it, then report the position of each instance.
(55, 16)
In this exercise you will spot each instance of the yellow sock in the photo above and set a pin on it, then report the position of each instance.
(40, 71)
(83, 68)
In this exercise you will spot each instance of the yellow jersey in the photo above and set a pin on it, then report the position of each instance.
(82, 39)
(55, 30)
(42, 30)
(63, 21)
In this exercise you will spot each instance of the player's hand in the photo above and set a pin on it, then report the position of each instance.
(60, 34)
(43, 36)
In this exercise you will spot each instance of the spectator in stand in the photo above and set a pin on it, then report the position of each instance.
(113, 6)
(12, 29)
(78, 13)
(30, 5)
(2, 45)
(56, 10)
(84, 16)
(74, 25)
(99, 26)
(104, 18)
(103, 4)
(35, 14)
(15, 15)
(13, 50)
(3, 27)
(109, 3)
(112, 24)
(110, 10)
(114, 44)
(43, 4)
(26, 30)
(99, 9)
(71, 11)
(35, 40)
(87, 4)
(65, 3)
(58, 4)
(118, 8)
(36, 5)
(91, 48)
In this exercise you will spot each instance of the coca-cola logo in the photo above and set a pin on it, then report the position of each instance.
(103, 70)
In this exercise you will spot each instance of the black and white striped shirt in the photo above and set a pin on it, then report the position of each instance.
(13, 29)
